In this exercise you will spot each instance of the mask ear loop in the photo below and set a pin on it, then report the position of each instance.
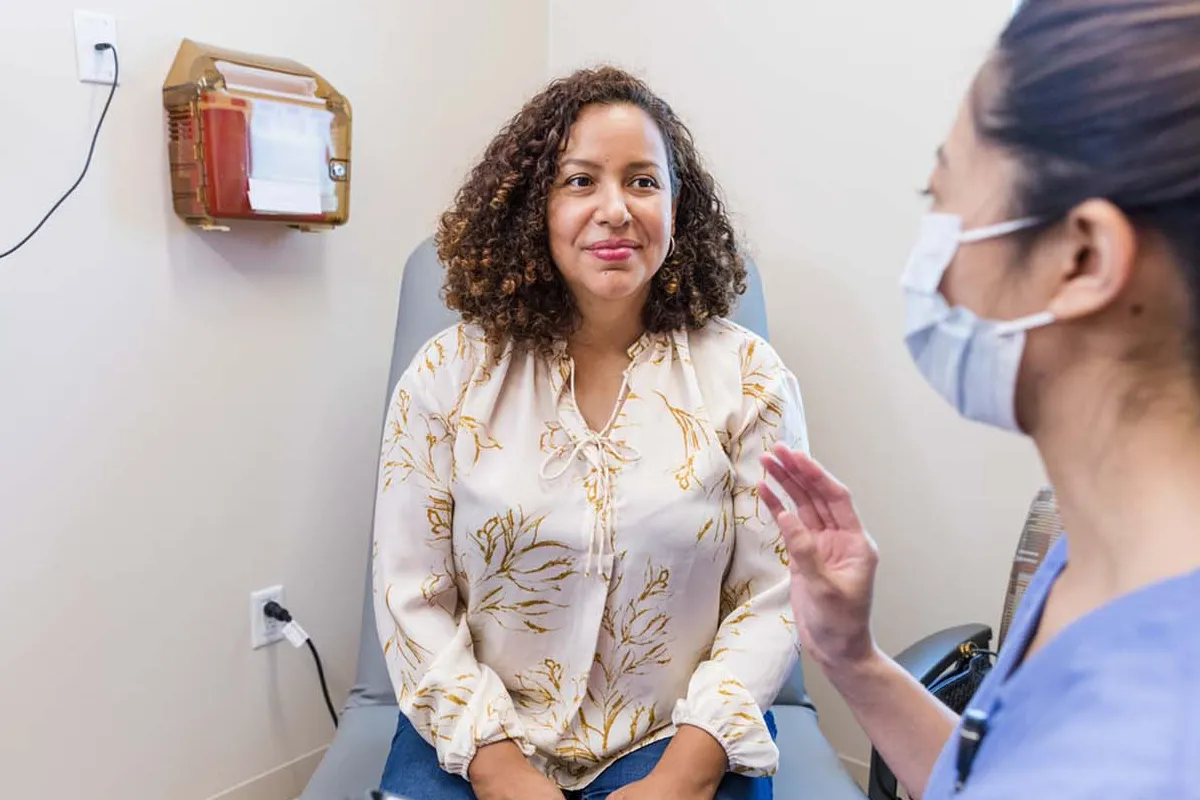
(998, 230)
(1023, 324)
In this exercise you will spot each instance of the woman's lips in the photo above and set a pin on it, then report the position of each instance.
(611, 253)
(613, 249)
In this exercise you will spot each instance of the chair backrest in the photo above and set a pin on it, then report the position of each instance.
(1042, 529)
(421, 316)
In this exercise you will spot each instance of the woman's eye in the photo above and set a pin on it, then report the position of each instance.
(579, 181)
(645, 182)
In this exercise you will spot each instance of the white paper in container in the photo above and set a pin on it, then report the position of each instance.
(290, 141)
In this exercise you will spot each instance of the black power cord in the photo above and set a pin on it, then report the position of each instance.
(278, 612)
(101, 47)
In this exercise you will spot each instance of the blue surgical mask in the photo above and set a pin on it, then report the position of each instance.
(971, 362)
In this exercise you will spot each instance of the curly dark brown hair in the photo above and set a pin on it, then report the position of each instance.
(494, 240)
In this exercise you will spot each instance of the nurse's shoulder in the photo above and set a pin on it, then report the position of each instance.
(1110, 708)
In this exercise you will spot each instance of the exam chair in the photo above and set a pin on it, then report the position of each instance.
(353, 764)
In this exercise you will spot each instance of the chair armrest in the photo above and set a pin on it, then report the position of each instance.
(929, 658)
(926, 661)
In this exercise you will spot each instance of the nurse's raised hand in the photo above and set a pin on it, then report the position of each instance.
(833, 559)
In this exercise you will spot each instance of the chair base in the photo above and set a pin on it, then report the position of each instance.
(354, 761)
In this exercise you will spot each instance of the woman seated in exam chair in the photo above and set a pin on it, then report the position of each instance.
(577, 589)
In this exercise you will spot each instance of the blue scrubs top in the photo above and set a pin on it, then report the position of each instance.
(1108, 708)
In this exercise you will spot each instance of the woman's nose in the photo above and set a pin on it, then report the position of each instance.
(612, 209)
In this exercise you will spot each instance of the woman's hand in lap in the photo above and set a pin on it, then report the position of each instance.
(691, 768)
(832, 557)
(661, 786)
(500, 771)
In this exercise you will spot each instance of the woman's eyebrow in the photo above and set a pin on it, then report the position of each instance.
(578, 162)
(589, 164)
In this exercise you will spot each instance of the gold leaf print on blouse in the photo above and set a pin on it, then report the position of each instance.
(659, 348)
(465, 348)
(397, 453)
(405, 456)
(638, 642)
(644, 719)
(769, 407)
(433, 357)
(554, 438)
(439, 513)
(756, 382)
(438, 583)
(735, 611)
(480, 437)
(539, 688)
(465, 345)
(543, 691)
(735, 594)
(747, 719)
(403, 646)
(456, 422)
(641, 638)
(405, 450)
(425, 702)
(519, 570)
(780, 549)
(722, 524)
(695, 438)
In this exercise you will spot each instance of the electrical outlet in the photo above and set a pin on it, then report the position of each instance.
(91, 29)
(263, 629)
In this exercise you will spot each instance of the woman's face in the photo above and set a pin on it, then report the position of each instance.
(610, 210)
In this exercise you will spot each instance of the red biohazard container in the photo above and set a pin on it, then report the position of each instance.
(255, 139)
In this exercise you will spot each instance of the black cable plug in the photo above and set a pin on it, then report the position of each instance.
(273, 610)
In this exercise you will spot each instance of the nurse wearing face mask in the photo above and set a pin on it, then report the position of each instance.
(1055, 291)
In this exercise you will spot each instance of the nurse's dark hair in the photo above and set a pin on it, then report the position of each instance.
(1101, 99)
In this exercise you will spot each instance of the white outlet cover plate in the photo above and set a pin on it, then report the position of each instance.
(91, 29)
(263, 630)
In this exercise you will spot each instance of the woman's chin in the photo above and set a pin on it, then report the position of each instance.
(616, 293)
(617, 283)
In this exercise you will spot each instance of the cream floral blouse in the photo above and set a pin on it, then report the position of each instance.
(584, 593)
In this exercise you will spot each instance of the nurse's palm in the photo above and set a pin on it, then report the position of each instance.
(832, 558)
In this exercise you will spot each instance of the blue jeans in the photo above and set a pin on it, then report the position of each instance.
(412, 772)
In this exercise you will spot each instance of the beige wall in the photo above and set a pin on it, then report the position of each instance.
(187, 417)
(820, 120)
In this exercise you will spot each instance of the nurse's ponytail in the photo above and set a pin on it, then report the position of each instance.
(1101, 99)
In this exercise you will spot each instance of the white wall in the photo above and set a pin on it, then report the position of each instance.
(820, 120)
(185, 417)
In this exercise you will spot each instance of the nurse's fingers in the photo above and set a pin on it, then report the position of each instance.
(806, 508)
(796, 485)
(821, 486)
(799, 539)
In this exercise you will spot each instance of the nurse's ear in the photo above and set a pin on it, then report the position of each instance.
(1093, 257)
